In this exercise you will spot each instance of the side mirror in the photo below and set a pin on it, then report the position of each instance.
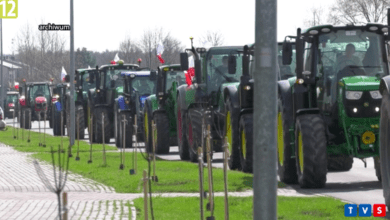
(112, 83)
(184, 61)
(232, 64)
(67, 78)
(153, 75)
(287, 53)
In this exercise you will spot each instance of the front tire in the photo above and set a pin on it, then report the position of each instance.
(80, 122)
(232, 133)
(246, 142)
(340, 163)
(162, 130)
(181, 126)
(310, 151)
(147, 129)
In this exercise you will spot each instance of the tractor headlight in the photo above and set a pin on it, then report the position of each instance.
(375, 94)
(353, 95)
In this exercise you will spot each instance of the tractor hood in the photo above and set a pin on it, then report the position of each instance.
(360, 83)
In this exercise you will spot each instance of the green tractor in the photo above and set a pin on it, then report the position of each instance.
(161, 108)
(239, 110)
(84, 81)
(329, 113)
(138, 85)
(101, 99)
(203, 103)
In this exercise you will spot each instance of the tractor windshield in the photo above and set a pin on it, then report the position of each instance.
(175, 76)
(40, 90)
(217, 68)
(86, 83)
(349, 53)
(12, 98)
(143, 85)
(286, 71)
(113, 75)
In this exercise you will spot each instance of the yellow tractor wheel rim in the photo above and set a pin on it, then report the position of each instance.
(280, 139)
(146, 127)
(300, 151)
(243, 143)
(368, 137)
(229, 132)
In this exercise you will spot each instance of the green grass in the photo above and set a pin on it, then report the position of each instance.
(288, 208)
(6, 137)
(173, 176)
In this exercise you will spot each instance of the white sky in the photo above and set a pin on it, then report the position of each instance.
(102, 24)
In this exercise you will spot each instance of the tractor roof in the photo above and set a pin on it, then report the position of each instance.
(167, 67)
(37, 83)
(117, 66)
(12, 93)
(373, 27)
(142, 73)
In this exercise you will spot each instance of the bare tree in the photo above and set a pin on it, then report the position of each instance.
(358, 11)
(215, 38)
(315, 17)
(129, 51)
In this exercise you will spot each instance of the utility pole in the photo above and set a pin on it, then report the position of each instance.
(72, 70)
(2, 87)
(264, 115)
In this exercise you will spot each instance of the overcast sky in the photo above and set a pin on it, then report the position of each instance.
(102, 24)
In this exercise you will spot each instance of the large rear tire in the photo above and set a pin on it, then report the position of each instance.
(385, 146)
(162, 133)
(287, 169)
(340, 163)
(232, 133)
(194, 122)
(99, 125)
(148, 128)
(246, 142)
(310, 152)
(80, 122)
(181, 126)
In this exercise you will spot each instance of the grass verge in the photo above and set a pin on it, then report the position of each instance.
(288, 208)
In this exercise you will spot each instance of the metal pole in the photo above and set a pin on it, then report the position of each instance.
(2, 87)
(29, 130)
(72, 70)
(210, 205)
(91, 136)
(225, 162)
(264, 115)
(14, 124)
(44, 130)
(104, 140)
(146, 195)
(136, 141)
(201, 191)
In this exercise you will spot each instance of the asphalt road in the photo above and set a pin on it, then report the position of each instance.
(359, 185)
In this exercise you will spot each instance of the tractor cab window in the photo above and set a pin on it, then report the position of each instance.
(86, 83)
(217, 68)
(175, 76)
(40, 90)
(12, 98)
(114, 75)
(286, 71)
(143, 85)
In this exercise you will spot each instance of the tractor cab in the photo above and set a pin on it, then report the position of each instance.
(168, 79)
(286, 71)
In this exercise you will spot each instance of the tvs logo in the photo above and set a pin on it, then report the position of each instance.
(365, 210)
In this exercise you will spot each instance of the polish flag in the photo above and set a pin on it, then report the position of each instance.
(63, 74)
(16, 85)
(116, 58)
(160, 50)
(191, 71)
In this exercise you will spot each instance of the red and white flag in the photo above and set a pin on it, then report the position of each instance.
(63, 74)
(16, 85)
(160, 50)
(191, 70)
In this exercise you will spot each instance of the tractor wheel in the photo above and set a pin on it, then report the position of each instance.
(206, 121)
(80, 122)
(287, 169)
(385, 146)
(99, 125)
(340, 163)
(21, 118)
(161, 133)
(194, 135)
(57, 129)
(51, 119)
(117, 124)
(148, 129)
(246, 142)
(232, 133)
(377, 165)
(310, 153)
(129, 131)
(181, 126)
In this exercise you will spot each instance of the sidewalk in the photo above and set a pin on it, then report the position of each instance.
(24, 196)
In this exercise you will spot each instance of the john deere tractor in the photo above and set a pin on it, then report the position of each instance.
(161, 108)
(203, 102)
(329, 113)
(101, 99)
(138, 85)
(35, 99)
